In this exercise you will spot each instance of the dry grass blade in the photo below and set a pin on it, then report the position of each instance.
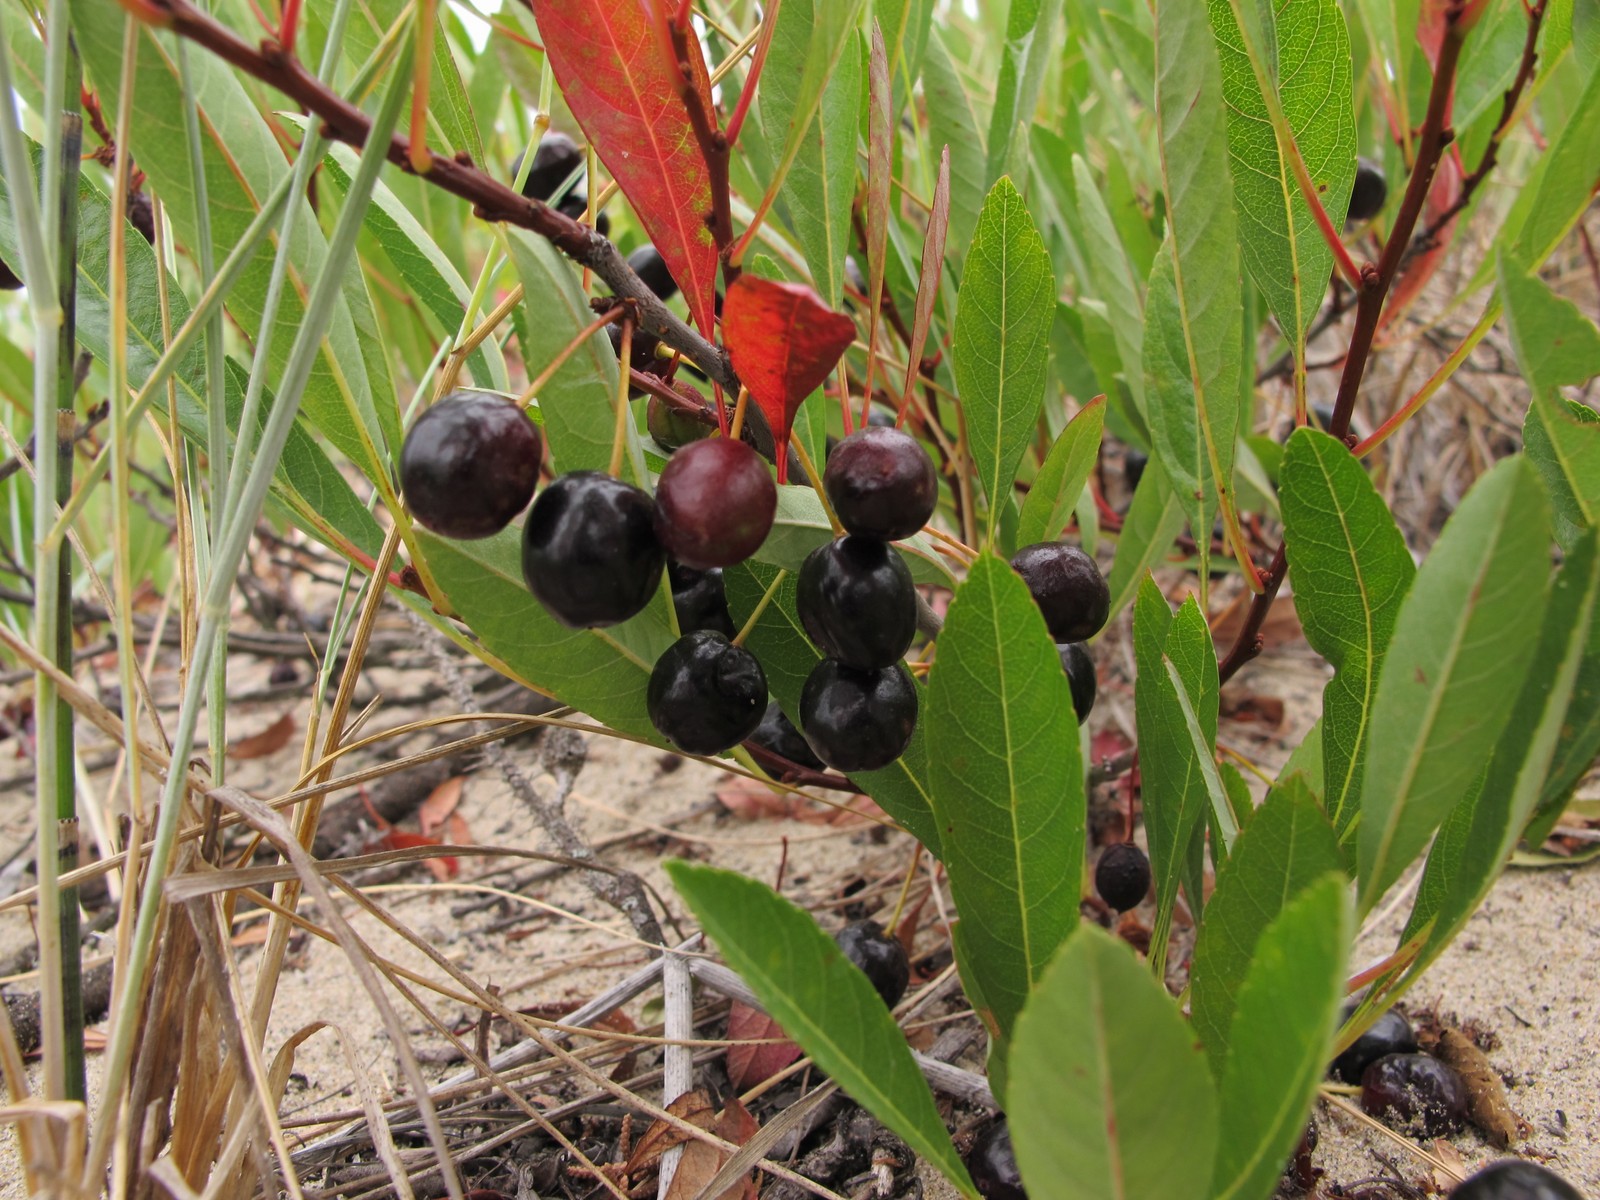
(1405, 1143)
(277, 831)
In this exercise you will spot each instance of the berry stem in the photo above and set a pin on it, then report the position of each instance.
(905, 889)
(755, 615)
(815, 477)
(739, 406)
(619, 438)
(567, 351)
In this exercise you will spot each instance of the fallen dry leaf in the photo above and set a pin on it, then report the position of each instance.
(441, 802)
(269, 741)
(749, 1064)
(694, 1107)
(1490, 1110)
(701, 1162)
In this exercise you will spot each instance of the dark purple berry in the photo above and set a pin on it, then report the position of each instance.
(777, 734)
(1368, 193)
(1068, 588)
(10, 281)
(1416, 1093)
(993, 1164)
(700, 599)
(672, 428)
(469, 464)
(576, 205)
(1513, 1179)
(857, 602)
(589, 550)
(881, 483)
(858, 720)
(642, 350)
(1122, 876)
(1300, 1173)
(715, 502)
(142, 216)
(1133, 464)
(557, 157)
(706, 695)
(1075, 661)
(882, 959)
(1390, 1034)
(651, 269)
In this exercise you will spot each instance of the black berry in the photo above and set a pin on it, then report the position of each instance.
(857, 602)
(576, 206)
(557, 157)
(1122, 876)
(858, 720)
(142, 216)
(700, 599)
(1389, 1034)
(1133, 464)
(1513, 1179)
(1416, 1093)
(651, 268)
(777, 734)
(706, 695)
(642, 350)
(882, 959)
(1068, 588)
(469, 464)
(1369, 191)
(1075, 661)
(673, 428)
(881, 483)
(715, 502)
(993, 1164)
(10, 281)
(589, 550)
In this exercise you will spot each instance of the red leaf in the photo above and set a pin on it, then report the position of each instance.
(441, 802)
(783, 341)
(623, 89)
(269, 741)
(749, 1065)
(441, 866)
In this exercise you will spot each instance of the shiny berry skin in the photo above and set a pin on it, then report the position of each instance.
(1368, 193)
(1068, 588)
(857, 602)
(1390, 1034)
(576, 205)
(993, 1164)
(651, 268)
(858, 720)
(777, 734)
(1513, 1179)
(706, 695)
(1416, 1093)
(1122, 876)
(590, 553)
(715, 502)
(700, 599)
(881, 484)
(469, 464)
(1075, 661)
(882, 959)
(557, 157)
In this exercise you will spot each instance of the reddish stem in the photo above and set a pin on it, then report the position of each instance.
(748, 92)
(289, 26)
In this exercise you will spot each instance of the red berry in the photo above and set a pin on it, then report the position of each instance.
(469, 464)
(714, 503)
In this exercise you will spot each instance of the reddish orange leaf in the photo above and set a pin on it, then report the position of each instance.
(269, 741)
(748, 1064)
(441, 867)
(441, 802)
(622, 87)
(783, 341)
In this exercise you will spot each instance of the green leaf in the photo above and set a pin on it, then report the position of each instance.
(1286, 848)
(1007, 785)
(1061, 479)
(1460, 652)
(788, 657)
(1002, 335)
(807, 46)
(823, 1002)
(1113, 280)
(1288, 1012)
(821, 185)
(1351, 570)
(1154, 520)
(1193, 310)
(1109, 1096)
(1029, 45)
(953, 122)
(603, 672)
(1579, 743)
(1282, 247)
(1564, 445)
(1478, 838)
(1173, 760)
(1545, 214)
